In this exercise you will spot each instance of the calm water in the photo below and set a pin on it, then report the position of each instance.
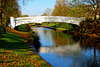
(64, 50)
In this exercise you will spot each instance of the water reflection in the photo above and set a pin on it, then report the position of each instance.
(93, 50)
(36, 41)
(64, 50)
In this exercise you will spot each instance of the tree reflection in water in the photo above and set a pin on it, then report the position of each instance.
(95, 45)
(68, 50)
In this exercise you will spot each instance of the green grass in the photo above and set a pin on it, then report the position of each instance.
(11, 40)
(58, 25)
(15, 51)
(61, 29)
(22, 27)
(52, 25)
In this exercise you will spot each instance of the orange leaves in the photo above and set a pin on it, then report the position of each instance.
(61, 9)
(22, 57)
(25, 57)
(17, 60)
(90, 26)
(4, 57)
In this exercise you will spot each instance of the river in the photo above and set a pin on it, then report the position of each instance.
(64, 50)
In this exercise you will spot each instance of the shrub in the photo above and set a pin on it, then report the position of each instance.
(24, 27)
(90, 26)
(65, 25)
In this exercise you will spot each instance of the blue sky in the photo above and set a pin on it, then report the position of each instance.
(37, 7)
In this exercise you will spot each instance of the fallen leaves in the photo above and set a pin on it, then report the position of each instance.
(22, 57)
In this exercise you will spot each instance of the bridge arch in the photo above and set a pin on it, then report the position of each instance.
(39, 19)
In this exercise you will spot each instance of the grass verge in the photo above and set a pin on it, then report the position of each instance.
(60, 26)
(15, 50)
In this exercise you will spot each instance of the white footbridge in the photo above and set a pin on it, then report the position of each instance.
(39, 19)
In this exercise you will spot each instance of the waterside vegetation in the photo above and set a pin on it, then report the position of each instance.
(15, 50)
(90, 9)
(87, 28)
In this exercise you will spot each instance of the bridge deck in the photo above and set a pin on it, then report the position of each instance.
(39, 19)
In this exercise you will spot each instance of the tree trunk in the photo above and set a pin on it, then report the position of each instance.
(5, 27)
(1, 15)
(95, 16)
(99, 15)
(1, 22)
(98, 7)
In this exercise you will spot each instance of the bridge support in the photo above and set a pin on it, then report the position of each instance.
(12, 22)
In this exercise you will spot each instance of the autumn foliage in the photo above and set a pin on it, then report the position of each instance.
(15, 51)
(60, 9)
(8, 8)
(90, 26)
(70, 9)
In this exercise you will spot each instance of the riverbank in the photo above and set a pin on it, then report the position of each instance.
(64, 47)
(15, 50)
(69, 30)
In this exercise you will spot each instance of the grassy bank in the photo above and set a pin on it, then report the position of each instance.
(60, 26)
(88, 28)
(15, 50)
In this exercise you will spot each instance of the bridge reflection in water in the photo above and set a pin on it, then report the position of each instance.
(61, 49)
(64, 50)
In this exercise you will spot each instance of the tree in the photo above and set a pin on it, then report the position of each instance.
(72, 8)
(57, 10)
(48, 11)
(8, 8)
(44, 14)
(25, 16)
(78, 9)
(61, 8)
(95, 5)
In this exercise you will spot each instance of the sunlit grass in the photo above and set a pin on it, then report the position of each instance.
(52, 25)
(58, 25)
(61, 28)
(15, 51)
